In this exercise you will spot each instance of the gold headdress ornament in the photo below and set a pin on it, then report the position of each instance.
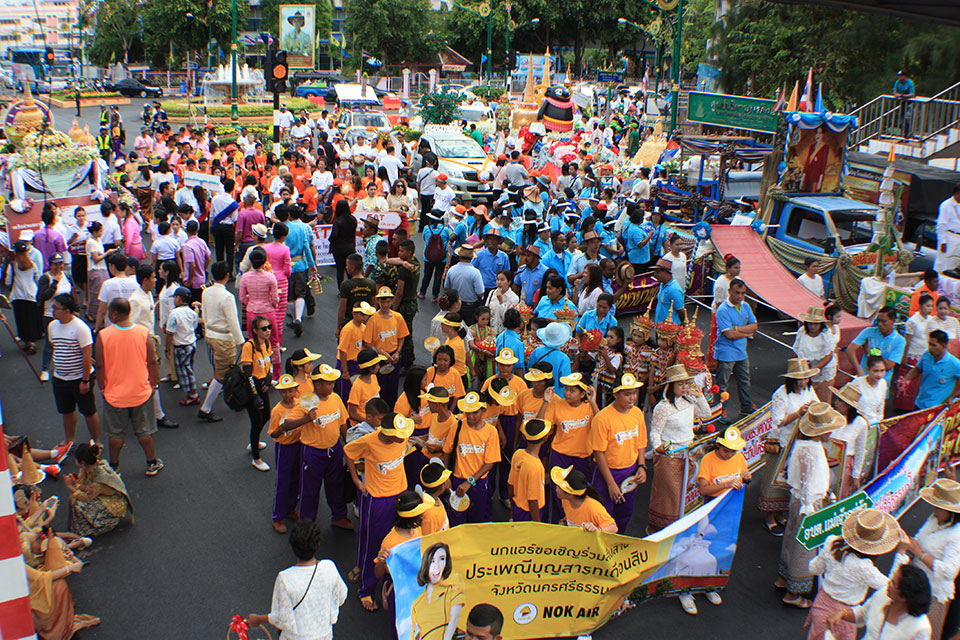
(690, 336)
(643, 323)
(567, 314)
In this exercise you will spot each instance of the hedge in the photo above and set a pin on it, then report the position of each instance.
(179, 108)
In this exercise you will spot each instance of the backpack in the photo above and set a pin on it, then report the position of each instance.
(238, 391)
(435, 251)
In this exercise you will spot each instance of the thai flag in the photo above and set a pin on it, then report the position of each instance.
(248, 40)
(806, 100)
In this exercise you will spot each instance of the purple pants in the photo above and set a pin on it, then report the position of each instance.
(509, 426)
(376, 520)
(519, 515)
(389, 386)
(622, 511)
(322, 468)
(583, 465)
(343, 384)
(287, 461)
(414, 463)
(480, 509)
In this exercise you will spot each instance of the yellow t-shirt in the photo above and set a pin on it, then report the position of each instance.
(528, 405)
(324, 432)
(385, 333)
(451, 381)
(518, 385)
(713, 467)
(362, 391)
(475, 448)
(278, 414)
(260, 360)
(526, 478)
(437, 431)
(431, 615)
(304, 386)
(589, 511)
(435, 519)
(622, 437)
(571, 427)
(459, 353)
(351, 340)
(383, 464)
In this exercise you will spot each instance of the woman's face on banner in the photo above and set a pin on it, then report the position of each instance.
(437, 564)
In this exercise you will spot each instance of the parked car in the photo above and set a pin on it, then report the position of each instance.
(316, 89)
(363, 118)
(132, 87)
(468, 166)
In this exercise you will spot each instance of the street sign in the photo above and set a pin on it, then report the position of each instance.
(609, 76)
(828, 521)
(739, 112)
(192, 66)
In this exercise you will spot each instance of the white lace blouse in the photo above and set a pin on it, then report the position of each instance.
(848, 580)
(943, 543)
(916, 331)
(872, 399)
(816, 348)
(808, 475)
(872, 613)
(314, 618)
(672, 424)
(783, 404)
(855, 435)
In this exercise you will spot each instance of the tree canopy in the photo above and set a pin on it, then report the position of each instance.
(394, 30)
(166, 21)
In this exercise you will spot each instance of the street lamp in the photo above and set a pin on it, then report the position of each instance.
(656, 38)
(484, 11)
(234, 110)
(675, 64)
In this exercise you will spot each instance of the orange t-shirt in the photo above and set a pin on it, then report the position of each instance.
(589, 511)
(526, 478)
(435, 519)
(324, 432)
(518, 385)
(437, 431)
(309, 198)
(622, 437)
(475, 448)
(125, 369)
(528, 405)
(351, 341)
(713, 468)
(921, 291)
(451, 381)
(362, 391)
(571, 427)
(304, 386)
(402, 406)
(385, 333)
(383, 472)
(278, 414)
(260, 361)
(459, 354)
(393, 538)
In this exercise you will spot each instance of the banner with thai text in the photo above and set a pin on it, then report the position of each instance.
(553, 581)
(321, 244)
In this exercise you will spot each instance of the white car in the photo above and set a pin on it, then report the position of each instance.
(466, 164)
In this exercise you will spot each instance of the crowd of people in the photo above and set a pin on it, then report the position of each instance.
(537, 403)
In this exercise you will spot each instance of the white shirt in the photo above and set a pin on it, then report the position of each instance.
(679, 268)
(393, 165)
(816, 348)
(916, 332)
(783, 404)
(848, 580)
(165, 247)
(286, 119)
(427, 181)
(314, 618)
(158, 179)
(300, 131)
(721, 289)
(219, 308)
(808, 475)
(442, 198)
(321, 180)
(672, 424)
(641, 189)
(95, 246)
(948, 222)
(814, 285)
(118, 287)
(184, 196)
(942, 543)
(68, 341)
(63, 286)
(855, 435)
(871, 614)
(182, 323)
(872, 398)
(112, 233)
(948, 325)
(220, 202)
(165, 301)
(141, 309)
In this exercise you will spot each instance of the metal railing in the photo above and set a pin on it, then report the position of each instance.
(916, 119)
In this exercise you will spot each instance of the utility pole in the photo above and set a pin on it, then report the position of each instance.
(234, 111)
(675, 86)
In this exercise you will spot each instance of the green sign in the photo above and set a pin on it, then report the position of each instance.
(828, 521)
(739, 112)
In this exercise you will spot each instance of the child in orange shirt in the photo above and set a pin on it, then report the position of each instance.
(527, 474)
(350, 344)
(442, 373)
(472, 450)
(505, 362)
(286, 450)
(435, 480)
(385, 331)
(410, 507)
(300, 366)
(439, 421)
(366, 386)
(452, 327)
(581, 504)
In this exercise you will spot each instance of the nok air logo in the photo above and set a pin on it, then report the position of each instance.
(525, 613)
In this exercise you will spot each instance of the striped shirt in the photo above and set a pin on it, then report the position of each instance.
(68, 341)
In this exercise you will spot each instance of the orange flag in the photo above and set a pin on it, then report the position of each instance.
(792, 103)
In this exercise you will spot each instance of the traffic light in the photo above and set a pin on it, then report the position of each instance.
(268, 69)
(279, 71)
(49, 56)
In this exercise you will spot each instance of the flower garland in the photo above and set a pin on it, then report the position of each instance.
(58, 150)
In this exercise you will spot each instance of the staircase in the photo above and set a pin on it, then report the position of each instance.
(933, 125)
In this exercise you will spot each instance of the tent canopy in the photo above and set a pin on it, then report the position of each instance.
(941, 11)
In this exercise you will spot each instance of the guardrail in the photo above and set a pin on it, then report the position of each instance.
(918, 118)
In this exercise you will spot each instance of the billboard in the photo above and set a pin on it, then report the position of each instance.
(739, 112)
(298, 33)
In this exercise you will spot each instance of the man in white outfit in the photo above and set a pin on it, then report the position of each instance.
(948, 233)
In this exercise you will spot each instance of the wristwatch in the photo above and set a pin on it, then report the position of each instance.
(472, 481)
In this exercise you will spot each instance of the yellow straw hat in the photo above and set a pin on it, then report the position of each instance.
(535, 429)
(820, 419)
(574, 380)
(871, 531)
(799, 368)
(627, 381)
(850, 394)
(731, 439)
(365, 308)
(309, 356)
(401, 427)
(507, 356)
(286, 381)
(536, 375)
(470, 403)
(559, 478)
(505, 397)
(944, 493)
(326, 373)
(384, 292)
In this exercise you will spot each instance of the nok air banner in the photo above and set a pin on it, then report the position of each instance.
(553, 581)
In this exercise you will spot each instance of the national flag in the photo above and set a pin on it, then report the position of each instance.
(792, 103)
(248, 39)
(806, 99)
(818, 107)
(781, 99)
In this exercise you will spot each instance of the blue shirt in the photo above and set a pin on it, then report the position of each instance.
(559, 262)
(658, 235)
(545, 247)
(529, 281)
(590, 321)
(557, 358)
(669, 292)
(300, 241)
(579, 263)
(509, 339)
(633, 236)
(891, 347)
(459, 234)
(433, 230)
(937, 380)
(904, 86)
(547, 308)
(607, 238)
(728, 316)
(489, 264)
(467, 281)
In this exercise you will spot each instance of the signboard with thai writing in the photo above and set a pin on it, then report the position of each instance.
(609, 76)
(818, 525)
(739, 112)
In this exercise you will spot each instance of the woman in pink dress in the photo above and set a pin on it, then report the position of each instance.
(258, 290)
(132, 240)
(279, 255)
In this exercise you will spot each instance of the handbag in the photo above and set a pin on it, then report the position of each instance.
(307, 590)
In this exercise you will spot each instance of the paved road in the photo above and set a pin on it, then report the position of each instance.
(203, 548)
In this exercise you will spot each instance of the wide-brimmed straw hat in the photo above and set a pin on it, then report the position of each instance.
(944, 493)
(871, 531)
(820, 419)
(849, 394)
(464, 252)
(813, 314)
(676, 373)
(799, 368)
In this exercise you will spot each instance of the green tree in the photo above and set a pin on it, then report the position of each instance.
(118, 21)
(270, 15)
(396, 30)
(440, 107)
(167, 21)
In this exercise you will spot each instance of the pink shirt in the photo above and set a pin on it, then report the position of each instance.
(195, 251)
(258, 292)
(245, 221)
(279, 255)
(132, 240)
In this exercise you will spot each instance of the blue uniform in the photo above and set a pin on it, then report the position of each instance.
(561, 262)
(937, 379)
(557, 358)
(669, 293)
(633, 237)
(300, 241)
(590, 321)
(546, 308)
(529, 281)
(508, 338)
(489, 264)
(433, 230)
(729, 316)
(891, 346)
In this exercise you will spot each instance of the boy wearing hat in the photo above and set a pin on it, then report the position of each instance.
(286, 448)
(365, 386)
(527, 473)
(471, 452)
(385, 332)
(321, 448)
(530, 401)
(181, 336)
(350, 344)
(435, 480)
(383, 480)
(506, 360)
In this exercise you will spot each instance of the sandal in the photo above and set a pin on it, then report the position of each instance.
(368, 604)
(354, 575)
(186, 402)
(774, 529)
(800, 602)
